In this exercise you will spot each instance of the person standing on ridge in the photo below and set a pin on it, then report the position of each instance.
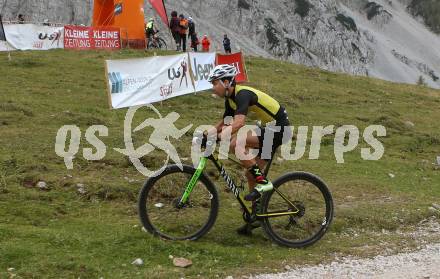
(191, 28)
(183, 31)
(175, 28)
(206, 43)
(195, 42)
(227, 44)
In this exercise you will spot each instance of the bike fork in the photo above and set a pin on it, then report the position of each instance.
(192, 182)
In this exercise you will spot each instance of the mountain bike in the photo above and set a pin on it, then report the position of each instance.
(156, 42)
(183, 204)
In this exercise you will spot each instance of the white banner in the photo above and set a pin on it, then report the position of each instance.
(201, 64)
(134, 82)
(34, 37)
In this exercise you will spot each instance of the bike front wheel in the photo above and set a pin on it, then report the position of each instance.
(161, 44)
(159, 209)
(305, 195)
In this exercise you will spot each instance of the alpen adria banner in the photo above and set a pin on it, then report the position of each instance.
(134, 82)
(34, 37)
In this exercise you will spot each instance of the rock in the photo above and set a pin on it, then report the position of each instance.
(82, 191)
(438, 160)
(81, 188)
(391, 175)
(11, 269)
(287, 267)
(409, 124)
(433, 210)
(436, 206)
(182, 262)
(229, 277)
(138, 262)
(42, 185)
(170, 257)
(159, 205)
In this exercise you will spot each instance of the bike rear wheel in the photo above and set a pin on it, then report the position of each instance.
(311, 200)
(158, 210)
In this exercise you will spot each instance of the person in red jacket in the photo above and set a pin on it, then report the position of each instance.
(206, 43)
(175, 28)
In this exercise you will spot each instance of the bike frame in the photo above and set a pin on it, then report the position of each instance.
(233, 187)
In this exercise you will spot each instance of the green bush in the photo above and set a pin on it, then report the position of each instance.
(302, 7)
(429, 10)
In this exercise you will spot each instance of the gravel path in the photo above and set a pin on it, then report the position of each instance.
(424, 264)
(421, 264)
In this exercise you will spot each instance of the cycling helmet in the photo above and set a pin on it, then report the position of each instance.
(222, 71)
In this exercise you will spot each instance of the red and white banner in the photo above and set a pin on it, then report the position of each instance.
(81, 37)
(34, 37)
(237, 60)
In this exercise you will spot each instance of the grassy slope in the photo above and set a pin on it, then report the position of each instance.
(60, 233)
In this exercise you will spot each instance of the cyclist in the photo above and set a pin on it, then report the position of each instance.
(150, 30)
(241, 101)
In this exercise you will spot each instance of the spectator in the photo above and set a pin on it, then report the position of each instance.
(183, 31)
(191, 27)
(194, 42)
(20, 19)
(206, 43)
(175, 28)
(227, 44)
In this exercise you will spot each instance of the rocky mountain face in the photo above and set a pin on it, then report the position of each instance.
(379, 38)
(57, 11)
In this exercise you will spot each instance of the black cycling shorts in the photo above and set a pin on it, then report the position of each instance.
(279, 137)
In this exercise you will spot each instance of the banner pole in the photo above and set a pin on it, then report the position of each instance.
(109, 97)
(191, 74)
(244, 65)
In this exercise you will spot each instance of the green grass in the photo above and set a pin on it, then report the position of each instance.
(62, 234)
